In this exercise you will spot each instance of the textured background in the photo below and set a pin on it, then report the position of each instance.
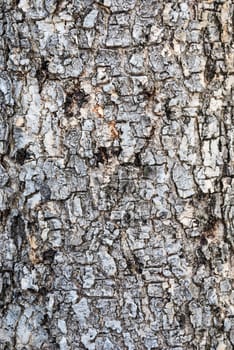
(116, 197)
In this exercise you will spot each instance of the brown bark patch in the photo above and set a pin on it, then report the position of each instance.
(214, 229)
(33, 254)
(113, 130)
(98, 110)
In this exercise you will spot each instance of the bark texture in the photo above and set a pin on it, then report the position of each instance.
(116, 197)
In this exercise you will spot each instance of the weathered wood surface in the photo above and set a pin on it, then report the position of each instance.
(116, 179)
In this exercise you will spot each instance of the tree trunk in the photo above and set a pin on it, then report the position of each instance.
(116, 197)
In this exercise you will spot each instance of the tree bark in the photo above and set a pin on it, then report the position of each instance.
(116, 178)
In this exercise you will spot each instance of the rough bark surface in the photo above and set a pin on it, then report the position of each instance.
(116, 197)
